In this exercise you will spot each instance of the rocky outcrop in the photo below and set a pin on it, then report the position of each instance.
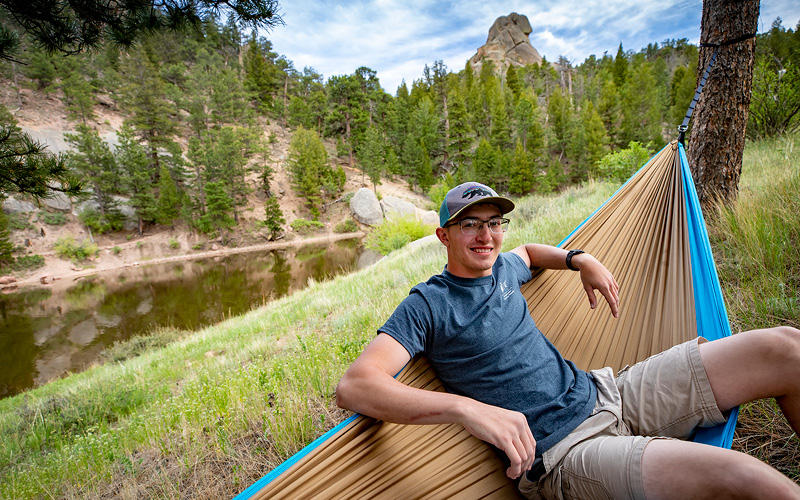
(507, 44)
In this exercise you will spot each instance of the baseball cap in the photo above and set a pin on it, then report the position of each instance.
(468, 194)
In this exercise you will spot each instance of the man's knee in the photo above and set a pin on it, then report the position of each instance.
(783, 345)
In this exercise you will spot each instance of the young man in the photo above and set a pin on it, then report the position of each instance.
(567, 432)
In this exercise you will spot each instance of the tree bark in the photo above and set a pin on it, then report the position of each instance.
(716, 140)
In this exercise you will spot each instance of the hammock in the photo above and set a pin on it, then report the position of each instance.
(651, 234)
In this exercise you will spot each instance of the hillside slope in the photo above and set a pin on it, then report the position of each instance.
(44, 117)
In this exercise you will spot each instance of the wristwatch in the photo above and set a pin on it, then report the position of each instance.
(570, 255)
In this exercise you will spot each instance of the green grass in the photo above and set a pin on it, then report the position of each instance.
(393, 234)
(204, 414)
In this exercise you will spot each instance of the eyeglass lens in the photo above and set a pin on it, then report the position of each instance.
(472, 226)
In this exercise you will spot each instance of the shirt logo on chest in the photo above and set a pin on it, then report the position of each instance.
(506, 290)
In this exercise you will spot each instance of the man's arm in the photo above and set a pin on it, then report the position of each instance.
(594, 275)
(369, 387)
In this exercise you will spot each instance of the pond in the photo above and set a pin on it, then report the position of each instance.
(50, 331)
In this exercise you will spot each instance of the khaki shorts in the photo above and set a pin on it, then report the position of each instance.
(664, 396)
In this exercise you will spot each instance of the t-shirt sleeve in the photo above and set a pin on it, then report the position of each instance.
(410, 323)
(521, 271)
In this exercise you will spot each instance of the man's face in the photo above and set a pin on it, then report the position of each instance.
(472, 256)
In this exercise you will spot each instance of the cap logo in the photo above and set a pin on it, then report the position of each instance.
(475, 191)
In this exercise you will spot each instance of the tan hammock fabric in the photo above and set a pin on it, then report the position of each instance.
(641, 236)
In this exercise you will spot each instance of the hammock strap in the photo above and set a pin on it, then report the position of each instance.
(683, 127)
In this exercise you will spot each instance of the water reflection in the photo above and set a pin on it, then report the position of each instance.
(47, 332)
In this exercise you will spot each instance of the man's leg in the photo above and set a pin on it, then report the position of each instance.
(682, 469)
(742, 368)
(754, 365)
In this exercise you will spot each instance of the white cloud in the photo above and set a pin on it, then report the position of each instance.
(397, 38)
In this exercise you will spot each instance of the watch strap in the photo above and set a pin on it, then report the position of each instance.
(570, 255)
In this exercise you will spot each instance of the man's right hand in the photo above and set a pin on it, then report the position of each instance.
(507, 430)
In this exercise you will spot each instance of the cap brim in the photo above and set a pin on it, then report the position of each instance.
(504, 204)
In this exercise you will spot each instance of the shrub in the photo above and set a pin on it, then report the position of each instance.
(116, 250)
(18, 221)
(346, 226)
(304, 226)
(100, 223)
(198, 246)
(173, 244)
(67, 247)
(621, 165)
(54, 219)
(27, 263)
(394, 234)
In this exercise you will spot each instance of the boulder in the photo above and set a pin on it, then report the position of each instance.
(14, 206)
(429, 217)
(58, 201)
(7, 280)
(395, 207)
(366, 208)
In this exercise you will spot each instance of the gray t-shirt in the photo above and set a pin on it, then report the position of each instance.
(483, 344)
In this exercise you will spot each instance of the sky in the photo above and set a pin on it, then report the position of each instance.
(396, 38)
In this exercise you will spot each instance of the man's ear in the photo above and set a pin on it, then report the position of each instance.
(443, 236)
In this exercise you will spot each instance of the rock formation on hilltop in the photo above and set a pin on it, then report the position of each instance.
(507, 44)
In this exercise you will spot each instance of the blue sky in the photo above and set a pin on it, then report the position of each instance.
(397, 38)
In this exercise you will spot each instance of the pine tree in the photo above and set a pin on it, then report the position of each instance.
(273, 217)
(499, 129)
(78, 92)
(641, 107)
(620, 68)
(308, 164)
(559, 113)
(371, 156)
(169, 205)
(346, 100)
(610, 111)
(522, 176)
(716, 143)
(132, 160)
(512, 81)
(41, 68)
(94, 162)
(144, 99)
(597, 141)
(218, 208)
(484, 164)
(461, 134)
(6, 247)
(393, 166)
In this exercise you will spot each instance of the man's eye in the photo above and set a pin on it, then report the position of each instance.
(495, 223)
(470, 223)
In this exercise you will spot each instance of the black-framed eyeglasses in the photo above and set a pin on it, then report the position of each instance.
(471, 226)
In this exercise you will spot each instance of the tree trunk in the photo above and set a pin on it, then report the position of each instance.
(716, 141)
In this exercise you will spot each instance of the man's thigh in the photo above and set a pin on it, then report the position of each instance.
(668, 394)
(604, 467)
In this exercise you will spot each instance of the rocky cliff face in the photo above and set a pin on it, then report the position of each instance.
(507, 44)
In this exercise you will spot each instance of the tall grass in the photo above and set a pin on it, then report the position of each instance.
(755, 242)
(204, 414)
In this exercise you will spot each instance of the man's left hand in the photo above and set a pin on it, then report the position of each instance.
(595, 276)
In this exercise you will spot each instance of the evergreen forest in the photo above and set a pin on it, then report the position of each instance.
(193, 102)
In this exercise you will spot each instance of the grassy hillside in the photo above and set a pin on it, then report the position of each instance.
(211, 411)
